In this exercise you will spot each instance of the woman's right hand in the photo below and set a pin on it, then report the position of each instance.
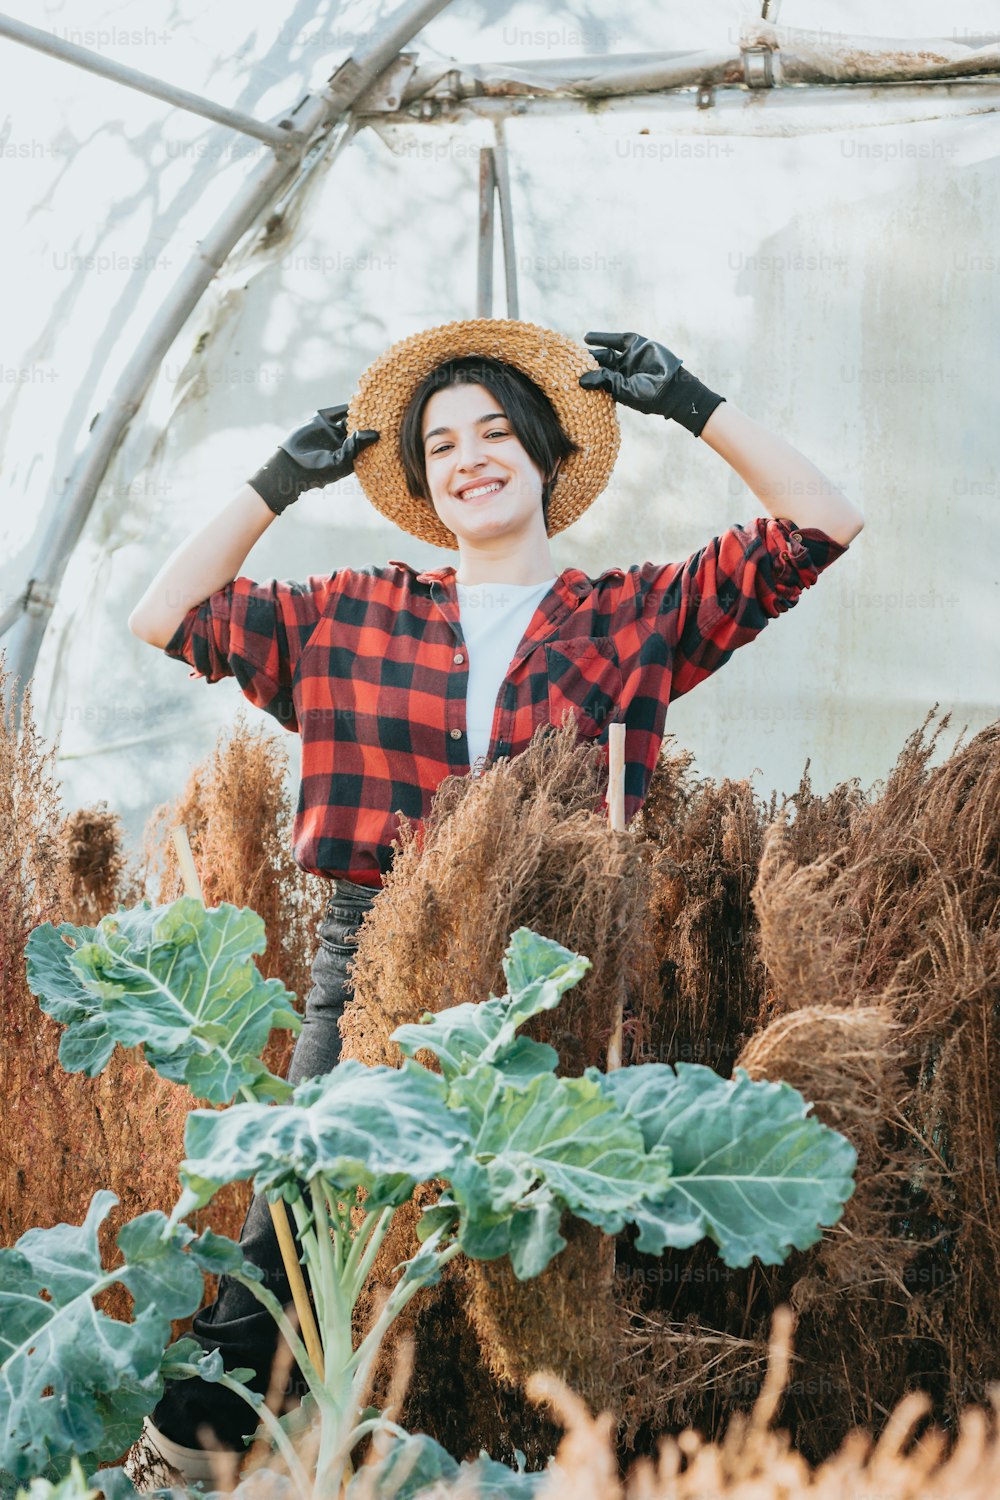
(312, 456)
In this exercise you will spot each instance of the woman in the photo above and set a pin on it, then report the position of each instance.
(486, 437)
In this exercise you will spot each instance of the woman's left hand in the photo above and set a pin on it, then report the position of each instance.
(649, 377)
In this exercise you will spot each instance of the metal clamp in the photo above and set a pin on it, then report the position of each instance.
(761, 69)
(39, 597)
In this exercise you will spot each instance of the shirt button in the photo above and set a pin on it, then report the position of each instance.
(458, 657)
(796, 536)
(456, 734)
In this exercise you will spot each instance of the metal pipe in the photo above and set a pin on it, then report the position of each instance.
(11, 614)
(144, 83)
(502, 176)
(727, 116)
(313, 113)
(576, 77)
(484, 266)
(805, 57)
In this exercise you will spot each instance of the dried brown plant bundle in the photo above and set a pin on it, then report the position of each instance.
(754, 1460)
(94, 875)
(237, 810)
(29, 852)
(902, 919)
(751, 1459)
(123, 1130)
(576, 1314)
(848, 1063)
(850, 951)
(707, 840)
(522, 845)
(67, 1134)
(29, 884)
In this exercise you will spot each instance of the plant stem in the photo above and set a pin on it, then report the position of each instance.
(337, 1312)
(376, 1424)
(293, 1271)
(401, 1294)
(362, 1256)
(334, 1448)
(279, 1436)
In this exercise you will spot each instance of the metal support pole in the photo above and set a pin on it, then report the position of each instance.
(314, 114)
(144, 83)
(494, 185)
(484, 270)
(506, 218)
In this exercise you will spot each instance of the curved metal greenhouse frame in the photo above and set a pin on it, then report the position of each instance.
(383, 83)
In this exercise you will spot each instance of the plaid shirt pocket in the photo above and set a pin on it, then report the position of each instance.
(585, 677)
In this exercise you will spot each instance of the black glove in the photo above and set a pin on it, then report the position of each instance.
(649, 378)
(314, 455)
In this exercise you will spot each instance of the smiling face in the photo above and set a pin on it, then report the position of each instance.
(481, 481)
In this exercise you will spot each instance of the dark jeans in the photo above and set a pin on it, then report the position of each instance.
(236, 1322)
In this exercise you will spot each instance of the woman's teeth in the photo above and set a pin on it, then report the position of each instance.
(481, 490)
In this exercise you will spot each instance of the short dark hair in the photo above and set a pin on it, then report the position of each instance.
(528, 409)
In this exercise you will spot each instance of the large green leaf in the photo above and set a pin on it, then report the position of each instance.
(751, 1169)
(538, 972)
(554, 1143)
(74, 1487)
(465, 1035)
(383, 1129)
(417, 1465)
(177, 980)
(410, 1465)
(101, 1376)
(489, 1480)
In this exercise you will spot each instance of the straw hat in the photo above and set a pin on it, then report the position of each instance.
(552, 360)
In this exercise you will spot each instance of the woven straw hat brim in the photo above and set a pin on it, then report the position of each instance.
(552, 360)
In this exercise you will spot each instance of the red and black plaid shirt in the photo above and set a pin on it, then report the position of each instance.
(370, 667)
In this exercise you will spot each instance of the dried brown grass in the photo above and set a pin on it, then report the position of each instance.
(755, 1460)
(237, 813)
(902, 923)
(751, 1459)
(69, 1135)
(94, 872)
(29, 886)
(851, 950)
(522, 845)
(872, 988)
(238, 816)
(707, 841)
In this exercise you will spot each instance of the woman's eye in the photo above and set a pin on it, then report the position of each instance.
(496, 432)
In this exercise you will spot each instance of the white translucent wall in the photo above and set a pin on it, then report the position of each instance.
(827, 259)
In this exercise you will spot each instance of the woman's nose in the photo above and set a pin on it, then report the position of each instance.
(469, 452)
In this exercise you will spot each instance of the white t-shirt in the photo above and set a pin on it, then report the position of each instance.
(494, 618)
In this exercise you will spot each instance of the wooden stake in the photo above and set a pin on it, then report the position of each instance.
(279, 1210)
(616, 818)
